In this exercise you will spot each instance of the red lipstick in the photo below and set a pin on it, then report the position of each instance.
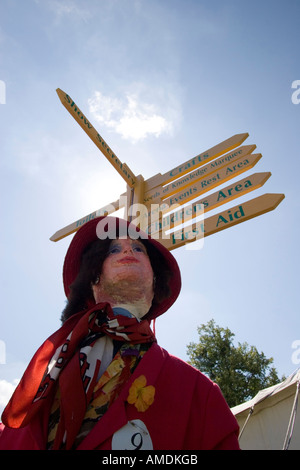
(128, 260)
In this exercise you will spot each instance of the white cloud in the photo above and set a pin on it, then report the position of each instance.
(132, 118)
(6, 391)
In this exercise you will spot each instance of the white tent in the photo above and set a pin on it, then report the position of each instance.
(270, 420)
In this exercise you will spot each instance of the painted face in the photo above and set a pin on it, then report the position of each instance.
(126, 277)
(127, 259)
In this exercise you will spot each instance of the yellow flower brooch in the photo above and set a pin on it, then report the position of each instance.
(140, 395)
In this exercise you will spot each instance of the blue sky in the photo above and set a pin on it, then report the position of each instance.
(162, 81)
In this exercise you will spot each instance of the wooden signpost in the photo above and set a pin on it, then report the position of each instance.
(161, 201)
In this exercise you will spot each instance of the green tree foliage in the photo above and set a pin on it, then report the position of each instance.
(240, 371)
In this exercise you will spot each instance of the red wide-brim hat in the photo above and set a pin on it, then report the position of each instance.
(111, 227)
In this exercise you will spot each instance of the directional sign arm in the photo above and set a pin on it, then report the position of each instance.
(84, 123)
(223, 220)
(199, 174)
(205, 204)
(69, 229)
(197, 161)
(212, 181)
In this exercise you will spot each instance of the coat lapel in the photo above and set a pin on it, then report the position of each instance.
(116, 417)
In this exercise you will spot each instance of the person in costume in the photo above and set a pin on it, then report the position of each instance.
(101, 381)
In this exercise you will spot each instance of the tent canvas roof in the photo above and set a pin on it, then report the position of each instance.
(268, 392)
(269, 421)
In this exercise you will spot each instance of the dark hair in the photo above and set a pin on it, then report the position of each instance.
(81, 294)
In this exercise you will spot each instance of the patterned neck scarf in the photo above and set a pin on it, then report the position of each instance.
(62, 362)
(105, 392)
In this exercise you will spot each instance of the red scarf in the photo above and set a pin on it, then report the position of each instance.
(59, 359)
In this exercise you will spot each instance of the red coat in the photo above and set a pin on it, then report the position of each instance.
(188, 413)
